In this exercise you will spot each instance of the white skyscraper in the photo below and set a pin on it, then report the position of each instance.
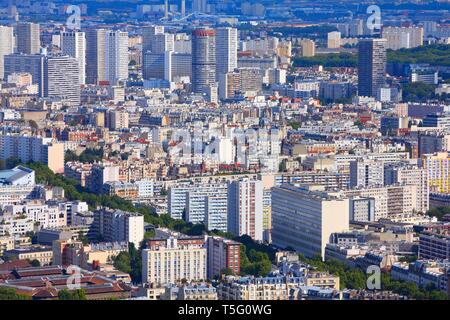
(226, 50)
(245, 208)
(6, 45)
(61, 79)
(95, 55)
(155, 40)
(116, 57)
(73, 44)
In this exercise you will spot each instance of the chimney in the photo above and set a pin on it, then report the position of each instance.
(166, 11)
(183, 8)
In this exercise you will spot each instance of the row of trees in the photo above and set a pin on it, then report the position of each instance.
(435, 55)
(87, 156)
(78, 294)
(342, 59)
(419, 92)
(10, 294)
(350, 278)
(439, 212)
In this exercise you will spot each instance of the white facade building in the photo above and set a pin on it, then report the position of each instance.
(245, 208)
(305, 218)
(116, 56)
(73, 44)
(6, 45)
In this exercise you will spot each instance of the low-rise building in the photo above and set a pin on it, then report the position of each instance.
(42, 254)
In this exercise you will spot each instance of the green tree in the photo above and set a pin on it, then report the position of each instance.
(83, 238)
(79, 294)
(227, 272)
(135, 263)
(12, 162)
(35, 263)
(149, 234)
(33, 124)
(10, 294)
(438, 212)
(418, 91)
(70, 156)
(122, 262)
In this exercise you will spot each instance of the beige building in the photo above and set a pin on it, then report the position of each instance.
(117, 120)
(308, 48)
(269, 288)
(55, 156)
(390, 201)
(437, 167)
(33, 148)
(6, 243)
(322, 280)
(42, 254)
(334, 40)
(70, 252)
(403, 37)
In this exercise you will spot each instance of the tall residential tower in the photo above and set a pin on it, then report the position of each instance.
(371, 66)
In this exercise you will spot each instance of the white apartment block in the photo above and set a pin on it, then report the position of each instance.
(117, 225)
(390, 201)
(269, 288)
(62, 78)
(226, 50)
(10, 195)
(116, 56)
(171, 262)
(305, 218)
(6, 45)
(366, 173)
(179, 195)
(216, 212)
(410, 175)
(33, 148)
(343, 160)
(245, 208)
(73, 44)
(177, 66)
(260, 46)
(402, 37)
(43, 215)
(14, 226)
